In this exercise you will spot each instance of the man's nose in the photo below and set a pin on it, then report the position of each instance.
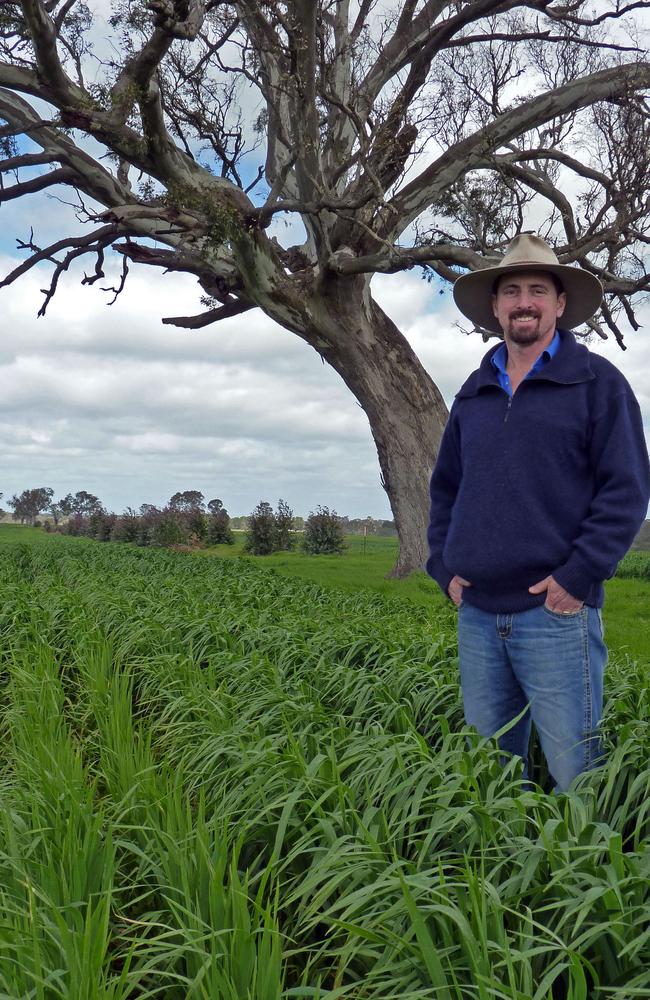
(524, 299)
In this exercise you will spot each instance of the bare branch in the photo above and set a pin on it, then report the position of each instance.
(95, 242)
(466, 154)
(418, 40)
(61, 176)
(234, 308)
(91, 176)
(219, 277)
(402, 258)
(14, 163)
(100, 237)
(119, 288)
(613, 326)
(541, 36)
(99, 269)
(577, 166)
(137, 74)
(62, 14)
(564, 14)
(538, 182)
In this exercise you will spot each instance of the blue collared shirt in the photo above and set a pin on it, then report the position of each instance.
(500, 360)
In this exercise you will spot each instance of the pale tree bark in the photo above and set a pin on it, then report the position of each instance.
(512, 107)
(405, 409)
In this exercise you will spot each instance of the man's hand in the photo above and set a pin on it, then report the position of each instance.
(557, 598)
(455, 589)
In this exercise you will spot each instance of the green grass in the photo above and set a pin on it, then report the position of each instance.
(364, 567)
(626, 616)
(11, 533)
(364, 564)
(636, 564)
(222, 783)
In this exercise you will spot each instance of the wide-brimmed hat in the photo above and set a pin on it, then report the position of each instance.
(527, 252)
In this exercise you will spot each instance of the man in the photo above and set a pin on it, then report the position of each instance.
(541, 484)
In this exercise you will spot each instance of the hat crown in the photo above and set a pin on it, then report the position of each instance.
(527, 252)
(529, 249)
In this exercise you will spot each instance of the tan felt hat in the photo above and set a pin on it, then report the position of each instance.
(527, 252)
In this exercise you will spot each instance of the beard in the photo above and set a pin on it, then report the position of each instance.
(528, 333)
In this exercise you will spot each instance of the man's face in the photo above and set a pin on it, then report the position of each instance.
(527, 306)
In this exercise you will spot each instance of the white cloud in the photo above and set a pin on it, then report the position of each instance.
(110, 400)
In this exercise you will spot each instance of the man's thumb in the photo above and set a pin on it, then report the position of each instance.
(537, 588)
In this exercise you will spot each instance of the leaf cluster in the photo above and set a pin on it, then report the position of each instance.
(323, 533)
(268, 530)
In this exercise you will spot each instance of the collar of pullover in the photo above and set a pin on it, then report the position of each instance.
(569, 365)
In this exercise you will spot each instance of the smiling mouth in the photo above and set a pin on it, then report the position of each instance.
(525, 317)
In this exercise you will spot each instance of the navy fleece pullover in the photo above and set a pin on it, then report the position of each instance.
(554, 480)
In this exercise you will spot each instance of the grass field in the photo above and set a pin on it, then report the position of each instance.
(220, 782)
(366, 564)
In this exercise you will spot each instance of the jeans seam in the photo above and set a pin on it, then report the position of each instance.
(588, 719)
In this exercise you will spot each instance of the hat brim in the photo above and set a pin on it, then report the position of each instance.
(473, 293)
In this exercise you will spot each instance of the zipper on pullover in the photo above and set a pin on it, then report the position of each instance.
(508, 408)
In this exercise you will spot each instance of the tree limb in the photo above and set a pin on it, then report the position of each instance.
(62, 176)
(234, 308)
(100, 237)
(416, 196)
(218, 278)
(50, 71)
(402, 258)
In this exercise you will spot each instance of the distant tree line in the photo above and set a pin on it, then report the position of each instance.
(185, 519)
(27, 506)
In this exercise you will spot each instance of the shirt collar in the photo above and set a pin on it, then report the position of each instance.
(500, 357)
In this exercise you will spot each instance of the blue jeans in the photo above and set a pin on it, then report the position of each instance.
(546, 667)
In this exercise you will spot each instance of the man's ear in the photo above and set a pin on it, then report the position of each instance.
(561, 303)
(494, 304)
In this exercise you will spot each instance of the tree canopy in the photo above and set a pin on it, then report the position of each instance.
(388, 135)
(30, 503)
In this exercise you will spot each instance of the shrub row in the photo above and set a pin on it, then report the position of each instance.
(154, 526)
(179, 525)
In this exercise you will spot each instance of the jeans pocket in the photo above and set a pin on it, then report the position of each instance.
(565, 615)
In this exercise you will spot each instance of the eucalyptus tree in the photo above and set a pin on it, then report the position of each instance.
(389, 134)
(30, 503)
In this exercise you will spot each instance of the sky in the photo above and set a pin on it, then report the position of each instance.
(107, 399)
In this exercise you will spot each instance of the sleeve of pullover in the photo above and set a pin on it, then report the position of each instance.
(445, 482)
(619, 458)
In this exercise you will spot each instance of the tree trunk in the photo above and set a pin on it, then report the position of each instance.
(406, 411)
